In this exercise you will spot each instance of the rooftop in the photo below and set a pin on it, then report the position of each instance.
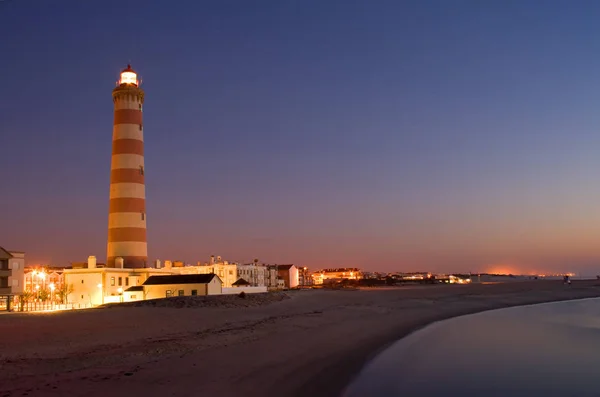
(180, 279)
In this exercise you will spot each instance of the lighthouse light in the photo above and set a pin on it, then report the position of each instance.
(128, 78)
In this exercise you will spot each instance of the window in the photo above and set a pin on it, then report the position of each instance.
(132, 296)
(141, 170)
(180, 292)
(140, 127)
(81, 296)
(126, 281)
(231, 272)
(169, 293)
(120, 281)
(194, 292)
(112, 281)
(143, 216)
(81, 281)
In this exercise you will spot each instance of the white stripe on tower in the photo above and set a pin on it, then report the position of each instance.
(127, 209)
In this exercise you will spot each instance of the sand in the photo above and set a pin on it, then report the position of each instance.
(310, 344)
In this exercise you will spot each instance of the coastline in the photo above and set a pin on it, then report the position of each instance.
(312, 344)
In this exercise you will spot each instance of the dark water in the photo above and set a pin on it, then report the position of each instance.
(542, 350)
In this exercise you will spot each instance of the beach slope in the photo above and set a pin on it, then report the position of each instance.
(310, 344)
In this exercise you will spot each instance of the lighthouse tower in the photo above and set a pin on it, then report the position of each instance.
(127, 245)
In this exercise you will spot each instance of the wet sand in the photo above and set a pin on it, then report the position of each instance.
(309, 345)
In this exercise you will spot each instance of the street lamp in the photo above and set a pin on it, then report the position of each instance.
(120, 290)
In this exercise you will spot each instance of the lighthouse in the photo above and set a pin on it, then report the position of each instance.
(127, 246)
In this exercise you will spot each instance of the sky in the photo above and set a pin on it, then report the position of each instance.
(388, 135)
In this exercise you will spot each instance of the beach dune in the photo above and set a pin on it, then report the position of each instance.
(304, 343)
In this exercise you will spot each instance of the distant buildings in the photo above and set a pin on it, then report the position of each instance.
(326, 276)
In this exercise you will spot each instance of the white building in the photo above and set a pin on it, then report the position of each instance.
(254, 273)
(12, 266)
(93, 285)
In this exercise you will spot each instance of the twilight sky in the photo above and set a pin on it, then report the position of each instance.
(389, 135)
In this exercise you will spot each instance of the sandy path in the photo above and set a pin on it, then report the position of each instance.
(309, 345)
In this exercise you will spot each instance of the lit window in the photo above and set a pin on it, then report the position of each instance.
(132, 296)
(112, 281)
(180, 292)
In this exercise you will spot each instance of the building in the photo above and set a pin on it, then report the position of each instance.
(304, 277)
(36, 278)
(92, 285)
(127, 246)
(255, 274)
(336, 275)
(12, 265)
(226, 271)
(156, 287)
(289, 275)
(271, 277)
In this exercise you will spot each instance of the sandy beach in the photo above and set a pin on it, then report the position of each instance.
(303, 343)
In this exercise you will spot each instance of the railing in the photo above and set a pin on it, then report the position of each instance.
(48, 306)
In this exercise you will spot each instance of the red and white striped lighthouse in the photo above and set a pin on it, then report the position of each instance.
(127, 209)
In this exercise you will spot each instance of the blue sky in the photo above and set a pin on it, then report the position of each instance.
(389, 135)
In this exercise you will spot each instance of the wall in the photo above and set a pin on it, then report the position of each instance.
(215, 287)
(160, 291)
(248, 290)
(294, 282)
(16, 280)
(85, 287)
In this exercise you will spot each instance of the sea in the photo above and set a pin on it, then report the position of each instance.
(550, 349)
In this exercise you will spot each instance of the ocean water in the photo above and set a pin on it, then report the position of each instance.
(550, 349)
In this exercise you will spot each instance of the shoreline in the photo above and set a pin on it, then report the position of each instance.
(314, 343)
(419, 328)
